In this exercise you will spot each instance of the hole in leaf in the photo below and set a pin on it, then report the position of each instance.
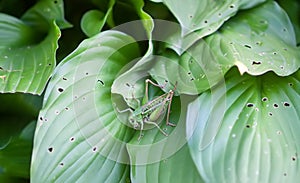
(50, 149)
(100, 81)
(264, 99)
(55, 2)
(94, 149)
(270, 114)
(275, 105)
(41, 118)
(284, 174)
(291, 84)
(86, 73)
(284, 30)
(274, 53)
(67, 108)
(60, 89)
(61, 164)
(248, 126)
(220, 14)
(191, 16)
(232, 6)
(286, 104)
(205, 21)
(294, 158)
(127, 84)
(256, 62)
(72, 139)
(247, 46)
(281, 67)
(250, 105)
(64, 78)
(278, 132)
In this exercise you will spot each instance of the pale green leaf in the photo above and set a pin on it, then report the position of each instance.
(257, 41)
(258, 124)
(203, 17)
(79, 136)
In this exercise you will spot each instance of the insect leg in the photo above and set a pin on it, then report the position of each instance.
(141, 131)
(147, 86)
(169, 109)
(122, 111)
(153, 123)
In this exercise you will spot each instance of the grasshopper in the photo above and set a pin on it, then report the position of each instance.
(151, 111)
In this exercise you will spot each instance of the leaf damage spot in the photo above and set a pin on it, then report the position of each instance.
(50, 149)
(248, 126)
(275, 105)
(256, 62)
(247, 46)
(61, 164)
(60, 90)
(72, 139)
(286, 104)
(264, 99)
(250, 105)
(232, 6)
(94, 149)
(101, 82)
(65, 79)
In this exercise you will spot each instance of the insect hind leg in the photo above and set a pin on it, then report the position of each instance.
(153, 123)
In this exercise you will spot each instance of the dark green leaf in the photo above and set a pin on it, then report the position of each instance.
(28, 46)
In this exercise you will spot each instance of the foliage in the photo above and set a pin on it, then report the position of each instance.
(68, 67)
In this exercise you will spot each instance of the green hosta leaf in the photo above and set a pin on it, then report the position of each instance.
(28, 46)
(137, 70)
(195, 71)
(93, 21)
(177, 168)
(203, 17)
(257, 41)
(78, 135)
(157, 158)
(258, 130)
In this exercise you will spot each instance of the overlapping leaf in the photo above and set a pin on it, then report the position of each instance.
(250, 41)
(28, 46)
(78, 130)
(257, 41)
(258, 128)
(93, 21)
(203, 17)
